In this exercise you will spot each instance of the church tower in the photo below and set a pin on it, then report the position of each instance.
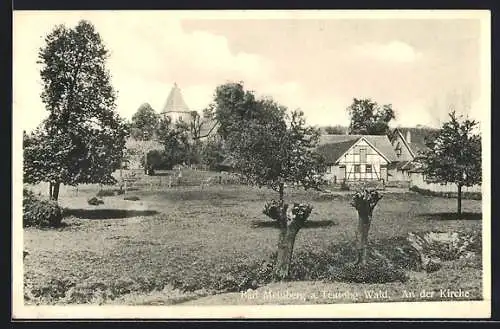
(175, 107)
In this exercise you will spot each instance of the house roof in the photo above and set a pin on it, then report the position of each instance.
(175, 102)
(333, 151)
(333, 146)
(418, 137)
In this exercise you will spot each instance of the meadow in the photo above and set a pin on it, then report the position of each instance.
(193, 244)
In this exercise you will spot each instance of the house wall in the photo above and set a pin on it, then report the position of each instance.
(398, 175)
(418, 180)
(335, 174)
(353, 158)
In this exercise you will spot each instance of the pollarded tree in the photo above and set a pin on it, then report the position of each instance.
(368, 118)
(144, 123)
(275, 150)
(364, 202)
(454, 155)
(83, 138)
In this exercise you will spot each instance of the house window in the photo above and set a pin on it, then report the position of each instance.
(357, 168)
(368, 168)
(362, 155)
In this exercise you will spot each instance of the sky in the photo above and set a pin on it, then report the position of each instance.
(316, 61)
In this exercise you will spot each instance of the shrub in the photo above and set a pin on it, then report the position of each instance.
(40, 213)
(94, 201)
(131, 198)
(109, 192)
(344, 186)
(452, 195)
(372, 272)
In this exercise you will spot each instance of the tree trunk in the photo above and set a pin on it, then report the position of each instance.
(459, 201)
(364, 222)
(55, 193)
(51, 188)
(285, 251)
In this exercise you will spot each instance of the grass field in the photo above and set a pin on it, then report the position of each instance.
(165, 247)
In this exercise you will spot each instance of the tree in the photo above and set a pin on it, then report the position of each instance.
(335, 130)
(195, 125)
(454, 155)
(175, 138)
(144, 123)
(82, 140)
(212, 152)
(364, 202)
(368, 118)
(273, 149)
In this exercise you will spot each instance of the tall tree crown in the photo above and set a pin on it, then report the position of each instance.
(368, 118)
(82, 139)
(454, 154)
(269, 146)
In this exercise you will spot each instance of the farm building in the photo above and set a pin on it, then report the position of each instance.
(371, 157)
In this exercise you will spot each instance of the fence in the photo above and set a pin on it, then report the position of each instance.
(418, 180)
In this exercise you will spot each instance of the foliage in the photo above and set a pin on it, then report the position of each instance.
(82, 139)
(131, 198)
(454, 154)
(298, 211)
(40, 213)
(212, 152)
(269, 146)
(195, 125)
(365, 200)
(368, 118)
(465, 195)
(156, 160)
(109, 192)
(176, 140)
(144, 123)
(375, 272)
(335, 130)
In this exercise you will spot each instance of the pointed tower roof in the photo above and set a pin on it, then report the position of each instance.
(175, 102)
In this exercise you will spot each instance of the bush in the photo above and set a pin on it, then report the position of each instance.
(109, 192)
(131, 198)
(372, 272)
(40, 213)
(451, 195)
(94, 201)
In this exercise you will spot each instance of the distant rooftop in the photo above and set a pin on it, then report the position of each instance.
(175, 102)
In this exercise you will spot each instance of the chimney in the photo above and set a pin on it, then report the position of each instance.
(408, 136)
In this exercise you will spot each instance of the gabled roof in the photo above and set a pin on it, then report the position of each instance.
(333, 151)
(418, 136)
(175, 101)
(332, 147)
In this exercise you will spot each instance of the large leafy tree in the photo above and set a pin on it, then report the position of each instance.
(274, 149)
(454, 155)
(144, 123)
(176, 139)
(335, 130)
(369, 118)
(82, 140)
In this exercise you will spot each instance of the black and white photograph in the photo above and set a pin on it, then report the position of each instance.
(251, 164)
